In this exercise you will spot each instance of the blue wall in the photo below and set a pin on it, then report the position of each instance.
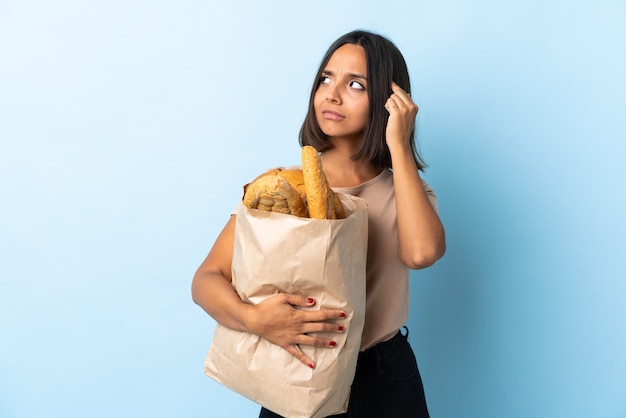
(127, 129)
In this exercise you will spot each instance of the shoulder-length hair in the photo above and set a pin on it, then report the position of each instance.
(385, 64)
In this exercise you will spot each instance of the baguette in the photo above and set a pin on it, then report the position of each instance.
(319, 198)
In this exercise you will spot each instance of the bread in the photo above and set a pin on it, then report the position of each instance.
(294, 177)
(340, 212)
(322, 201)
(312, 164)
(304, 193)
(296, 180)
(274, 193)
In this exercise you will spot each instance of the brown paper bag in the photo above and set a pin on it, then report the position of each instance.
(323, 259)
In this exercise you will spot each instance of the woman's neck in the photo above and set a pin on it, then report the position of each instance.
(342, 171)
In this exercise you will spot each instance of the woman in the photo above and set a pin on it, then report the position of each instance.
(361, 118)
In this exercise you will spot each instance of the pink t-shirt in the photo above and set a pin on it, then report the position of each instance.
(387, 304)
(387, 278)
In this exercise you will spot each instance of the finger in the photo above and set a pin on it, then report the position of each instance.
(396, 89)
(321, 315)
(297, 353)
(402, 102)
(312, 316)
(401, 94)
(311, 340)
(391, 105)
(298, 300)
(314, 327)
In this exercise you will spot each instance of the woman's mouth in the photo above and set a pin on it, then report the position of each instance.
(332, 115)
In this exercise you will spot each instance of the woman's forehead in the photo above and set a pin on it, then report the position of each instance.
(349, 59)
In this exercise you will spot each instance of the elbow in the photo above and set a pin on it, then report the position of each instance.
(194, 297)
(421, 261)
(195, 289)
(421, 258)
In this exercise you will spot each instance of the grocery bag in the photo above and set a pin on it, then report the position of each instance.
(322, 259)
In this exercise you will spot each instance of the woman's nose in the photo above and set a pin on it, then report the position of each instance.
(333, 94)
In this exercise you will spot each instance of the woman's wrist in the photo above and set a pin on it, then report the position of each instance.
(399, 151)
(246, 317)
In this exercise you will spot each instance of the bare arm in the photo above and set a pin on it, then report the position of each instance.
(421, 233)
(276, 319)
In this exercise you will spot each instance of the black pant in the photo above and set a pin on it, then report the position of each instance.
(387, 384)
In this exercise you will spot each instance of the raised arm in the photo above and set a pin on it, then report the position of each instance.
(276, 319)
(421, 233)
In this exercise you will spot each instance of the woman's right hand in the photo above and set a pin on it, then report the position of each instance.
(278, 321)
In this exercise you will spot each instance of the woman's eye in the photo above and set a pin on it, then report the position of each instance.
(357, 85)
(324, 80)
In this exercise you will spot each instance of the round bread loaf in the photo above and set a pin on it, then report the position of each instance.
(274, 193)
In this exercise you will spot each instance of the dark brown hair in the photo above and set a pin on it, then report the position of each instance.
(385, 64)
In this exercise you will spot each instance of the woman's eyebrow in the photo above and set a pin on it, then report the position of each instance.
(351, 75)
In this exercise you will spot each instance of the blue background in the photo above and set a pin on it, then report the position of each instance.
(127, 129)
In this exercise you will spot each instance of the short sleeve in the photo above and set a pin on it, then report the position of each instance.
(432, 197)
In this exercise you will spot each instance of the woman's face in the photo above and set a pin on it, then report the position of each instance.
(340, 102)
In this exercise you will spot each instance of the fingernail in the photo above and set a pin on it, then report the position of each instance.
(311, 365)
(340, 327)
(332, 343)
(310, 300)
(343, 315)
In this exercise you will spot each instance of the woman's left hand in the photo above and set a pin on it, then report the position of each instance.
(402, 112)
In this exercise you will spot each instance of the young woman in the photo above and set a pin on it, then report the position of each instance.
(361, 118)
